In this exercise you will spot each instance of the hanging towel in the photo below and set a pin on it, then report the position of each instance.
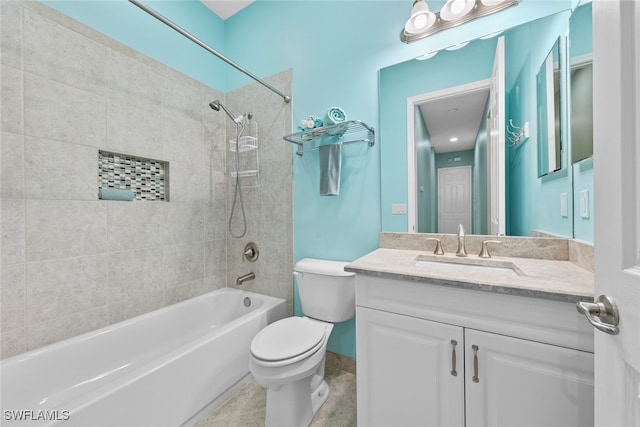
(116, 194)
(330, 163)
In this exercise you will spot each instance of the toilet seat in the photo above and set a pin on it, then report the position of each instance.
(288, 341)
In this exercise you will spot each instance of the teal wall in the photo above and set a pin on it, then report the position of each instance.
(447, 160)
(335, 49)
(480, 219)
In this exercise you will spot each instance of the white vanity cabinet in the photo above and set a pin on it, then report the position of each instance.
(432, 355)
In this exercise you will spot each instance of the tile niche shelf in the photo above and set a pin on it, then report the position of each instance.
(310, 139)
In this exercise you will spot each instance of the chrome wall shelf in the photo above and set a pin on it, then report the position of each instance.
(310, 140)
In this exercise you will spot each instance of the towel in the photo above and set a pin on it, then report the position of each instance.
(334, 116)
(318, 123)
(116, 194)
(330, 163)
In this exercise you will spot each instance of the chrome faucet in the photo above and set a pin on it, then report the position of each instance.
(461, 249)
(245, 277)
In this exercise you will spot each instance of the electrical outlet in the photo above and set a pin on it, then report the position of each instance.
(564, 211)
(584, 204)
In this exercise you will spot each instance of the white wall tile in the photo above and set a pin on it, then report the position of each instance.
(56, 111)
(136, 224)
(11, 108)
(12, 231)
(62, 287)
(11, 34)
(12, 294)
(58, 329)
(182, 264)
(59, 170)
(135, 130)
(135, 283)
(62, 228)
(12, 167)
(47, 54)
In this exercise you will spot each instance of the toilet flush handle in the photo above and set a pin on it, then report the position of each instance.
(297, 274)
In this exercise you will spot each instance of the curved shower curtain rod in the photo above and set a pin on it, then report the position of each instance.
(202, 44)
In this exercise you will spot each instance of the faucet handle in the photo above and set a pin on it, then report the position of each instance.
(438, 250)
(484, 252)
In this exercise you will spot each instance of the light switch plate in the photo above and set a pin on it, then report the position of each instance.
(584, 204)
(399, 209)
(564, 205)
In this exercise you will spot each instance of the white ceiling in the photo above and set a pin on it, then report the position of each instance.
(457, 116)
(226, 8)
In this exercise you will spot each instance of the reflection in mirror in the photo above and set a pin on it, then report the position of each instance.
(549, 89)
(451, 150)
(581, 111)
(532, 203)
(581, 118)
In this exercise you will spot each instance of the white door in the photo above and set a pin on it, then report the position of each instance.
(512, 382)
(496, 146)
(454, 199)
(616, 102)
(410, 371)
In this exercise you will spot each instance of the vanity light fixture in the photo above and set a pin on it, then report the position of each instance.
(456, 9)
(423, 22)
(421, 18)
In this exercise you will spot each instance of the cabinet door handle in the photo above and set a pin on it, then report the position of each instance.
(453, 358)
(475, 364)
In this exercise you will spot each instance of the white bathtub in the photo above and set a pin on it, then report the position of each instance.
(159, 369)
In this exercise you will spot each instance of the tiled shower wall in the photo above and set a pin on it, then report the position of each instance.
(269, 207)
(71, 263)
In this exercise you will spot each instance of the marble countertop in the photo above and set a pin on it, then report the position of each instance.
(538, 278)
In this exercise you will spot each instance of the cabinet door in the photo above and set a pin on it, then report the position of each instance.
(404, 371)
(525, 383)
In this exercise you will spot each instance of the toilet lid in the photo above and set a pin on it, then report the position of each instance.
(287, 338)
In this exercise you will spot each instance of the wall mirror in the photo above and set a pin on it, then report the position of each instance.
(550, 90)
(527, 203)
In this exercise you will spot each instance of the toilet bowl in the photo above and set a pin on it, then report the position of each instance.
(288, 356)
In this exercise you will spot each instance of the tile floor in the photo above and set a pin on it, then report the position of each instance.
(246, 407)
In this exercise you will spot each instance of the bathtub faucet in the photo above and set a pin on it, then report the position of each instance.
(245, 277)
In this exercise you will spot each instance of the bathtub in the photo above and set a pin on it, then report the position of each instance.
(164, 368)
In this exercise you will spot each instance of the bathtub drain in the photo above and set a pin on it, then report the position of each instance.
(247, 301)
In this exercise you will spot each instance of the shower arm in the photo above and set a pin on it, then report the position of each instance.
(203, 45)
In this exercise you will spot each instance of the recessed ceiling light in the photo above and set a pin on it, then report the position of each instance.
(452, 110)
(453, 139)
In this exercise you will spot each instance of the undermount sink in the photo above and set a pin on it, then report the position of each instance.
(463, 265)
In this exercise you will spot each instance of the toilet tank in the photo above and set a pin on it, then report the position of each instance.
(327, 292)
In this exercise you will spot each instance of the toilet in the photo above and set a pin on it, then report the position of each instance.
(287, 356)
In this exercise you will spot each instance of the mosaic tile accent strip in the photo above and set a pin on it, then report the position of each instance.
(147, 178)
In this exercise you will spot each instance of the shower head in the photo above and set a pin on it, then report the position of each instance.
(216, 105)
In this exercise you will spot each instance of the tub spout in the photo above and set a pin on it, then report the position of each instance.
(245, 277)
